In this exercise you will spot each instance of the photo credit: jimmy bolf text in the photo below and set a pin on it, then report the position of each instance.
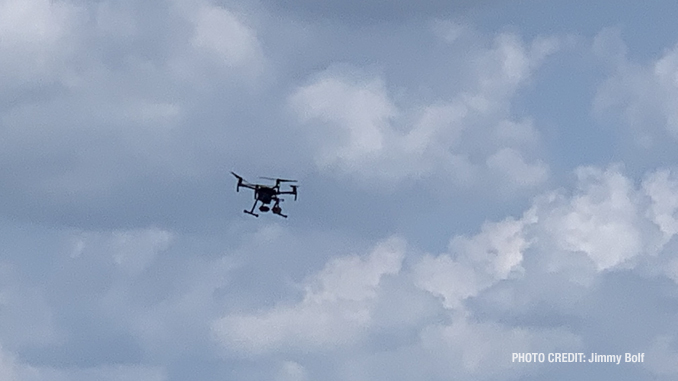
(577, 357)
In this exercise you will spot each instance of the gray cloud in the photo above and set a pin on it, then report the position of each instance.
(416, 249)
(374, 11)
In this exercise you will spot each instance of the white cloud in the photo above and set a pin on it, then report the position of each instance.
(131, 250)
(613, 223)
(601, 221)
(354, 125)
(662, 187)
(105, 373)
(336, 308)
(645, 95)
(390, 306)
(505, 67)
(8, 367)
(12, 369)
(27, 317)
(132, 97)
(220, 31)
(221, 45)
(36, 36)
(511, 167)
(291, 371)
(34, 24)
(606, 220)
(448, 30)
(442, 276)
(475, 263)
(358, 114)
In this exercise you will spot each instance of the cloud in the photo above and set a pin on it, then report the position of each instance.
(97, 103)
(515, 172)
(219, 31)
(363, 109)
(610, 220)
(601, 221)
(133, 251)
(291, 371)
(12, 369)
(336, 307)
(7, 367)
(662, 357)
(124, 255)
(27, 316)
(370, 12)
(480, 261)
(36, 37)
(354, 125)
(522, 282)
(644, 95)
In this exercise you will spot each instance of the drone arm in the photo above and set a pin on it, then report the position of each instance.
(292, 192)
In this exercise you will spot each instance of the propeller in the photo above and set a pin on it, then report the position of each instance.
(279, 180)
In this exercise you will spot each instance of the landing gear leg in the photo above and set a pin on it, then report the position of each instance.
(252, 211)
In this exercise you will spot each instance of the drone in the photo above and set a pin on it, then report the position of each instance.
(266, 194)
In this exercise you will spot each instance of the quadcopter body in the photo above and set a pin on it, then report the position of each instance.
(267, 194)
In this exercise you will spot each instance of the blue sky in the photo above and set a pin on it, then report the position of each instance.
(478, 178)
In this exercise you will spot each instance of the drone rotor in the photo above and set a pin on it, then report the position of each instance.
(278, 180)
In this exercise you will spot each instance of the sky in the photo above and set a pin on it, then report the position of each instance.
(477, 179)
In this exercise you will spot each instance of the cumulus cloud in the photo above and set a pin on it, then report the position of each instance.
(566, 241)
(133, 251)
(7, 367)
(95, 100)
(436, 314)
(354, 124)
(662, 188)
(336, 308)
(602, 221)
(291, 371)
(369, 12)
(36, 37)
(27, 317)
(362, 109)
(118, 117)
(12, 369)
(609, 219)
(475, 262)
(219, 31)
(644, 95)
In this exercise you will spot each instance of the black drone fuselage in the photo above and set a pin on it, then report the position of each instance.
(266, 194)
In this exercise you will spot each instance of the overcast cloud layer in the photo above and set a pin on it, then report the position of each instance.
(477, 179)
